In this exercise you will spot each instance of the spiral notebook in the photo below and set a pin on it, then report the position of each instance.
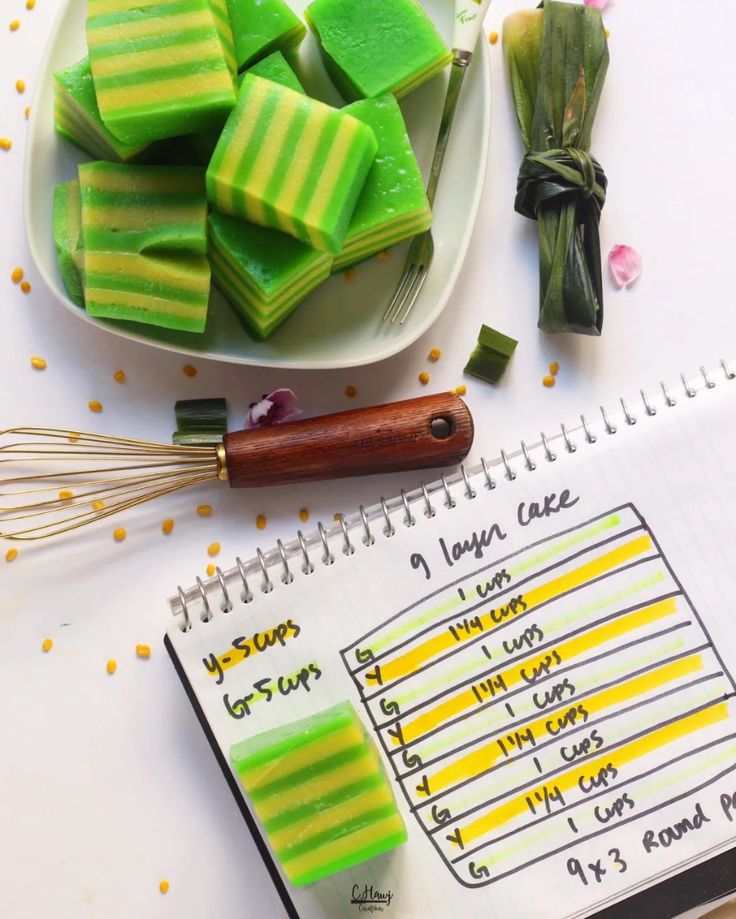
(543, 648)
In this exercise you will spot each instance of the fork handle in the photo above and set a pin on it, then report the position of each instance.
(468, 21)
(457, 73)
(469, 15)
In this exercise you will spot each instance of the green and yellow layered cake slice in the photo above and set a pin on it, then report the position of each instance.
(321, 793)
(263, 273)
(77, 116)
(138, 208)
(68, 238)
(144, 231)
(168, 290)
(290, 163)
(393, 204)
(373, 47)
(262, 26)
(159, 67)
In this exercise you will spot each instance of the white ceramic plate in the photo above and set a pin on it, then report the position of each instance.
(339, 325)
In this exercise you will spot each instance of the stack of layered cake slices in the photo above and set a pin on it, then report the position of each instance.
(213, 163)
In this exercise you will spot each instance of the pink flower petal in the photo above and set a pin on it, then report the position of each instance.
(597, 4)
(624, 264)
(274, 408)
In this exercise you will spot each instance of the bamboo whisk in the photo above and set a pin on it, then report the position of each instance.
(53, 481)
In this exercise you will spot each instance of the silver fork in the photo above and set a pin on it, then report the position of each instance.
(468, 21)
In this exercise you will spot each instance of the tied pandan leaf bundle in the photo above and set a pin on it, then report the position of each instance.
(557, 57)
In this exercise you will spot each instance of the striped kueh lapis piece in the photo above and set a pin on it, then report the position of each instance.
(144, 231)
(393, 204)
(163, 289)
(159, 67)
(136, 208)
(263, 273)
(321, 793)
(77, 116)
(291, 163)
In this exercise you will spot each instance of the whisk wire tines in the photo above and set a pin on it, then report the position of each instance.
(104, 475)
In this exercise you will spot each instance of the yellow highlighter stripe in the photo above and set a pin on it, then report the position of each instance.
(482, 759)
(564, 652)
(413, 659)
(649, 743)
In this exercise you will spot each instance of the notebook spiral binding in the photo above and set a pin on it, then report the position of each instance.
(219, 591)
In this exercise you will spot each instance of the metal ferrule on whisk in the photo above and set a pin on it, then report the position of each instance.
(222, 473)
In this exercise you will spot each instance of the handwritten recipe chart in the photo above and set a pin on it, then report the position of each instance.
(547, 669)
(566, 673)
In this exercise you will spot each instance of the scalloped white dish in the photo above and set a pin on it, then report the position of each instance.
(340, 324)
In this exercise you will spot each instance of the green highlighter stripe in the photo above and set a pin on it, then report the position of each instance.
(686, 776)
(550, 629)
(583, 685)
(556, 548)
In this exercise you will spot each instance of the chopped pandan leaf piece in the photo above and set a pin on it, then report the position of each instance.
(68, 238)
(196, 439)
(491, 355)
(197, 415)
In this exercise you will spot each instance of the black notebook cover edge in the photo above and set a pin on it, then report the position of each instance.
(263, 851)
(703, 883)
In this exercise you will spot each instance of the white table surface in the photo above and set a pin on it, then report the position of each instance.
(107, 784)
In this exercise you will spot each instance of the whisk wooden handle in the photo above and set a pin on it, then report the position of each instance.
(431, 431)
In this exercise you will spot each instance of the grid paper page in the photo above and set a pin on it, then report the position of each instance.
(547, 670)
